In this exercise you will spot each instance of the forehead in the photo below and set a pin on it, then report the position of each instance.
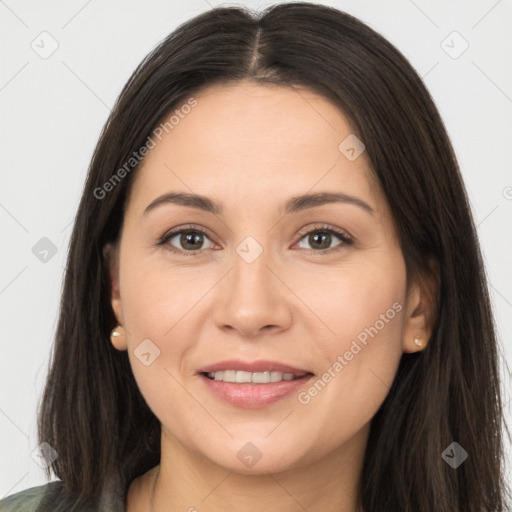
(254, 143)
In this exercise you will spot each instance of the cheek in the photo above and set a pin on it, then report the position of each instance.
(158, 299)
(361, 301)
(364, 310)
(159, 307)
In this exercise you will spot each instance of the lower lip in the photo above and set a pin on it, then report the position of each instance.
(253, 396)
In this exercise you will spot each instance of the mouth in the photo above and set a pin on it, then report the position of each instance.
(261, 366)
(253, 385)
(243, 377)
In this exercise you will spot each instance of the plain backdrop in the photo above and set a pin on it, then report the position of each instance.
(52, 108)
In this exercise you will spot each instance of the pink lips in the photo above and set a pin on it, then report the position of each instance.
(252, 395)
(255, 366)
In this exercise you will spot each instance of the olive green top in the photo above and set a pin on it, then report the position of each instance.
(27, 500)
(53, 497)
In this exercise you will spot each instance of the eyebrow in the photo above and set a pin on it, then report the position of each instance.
(295, 204)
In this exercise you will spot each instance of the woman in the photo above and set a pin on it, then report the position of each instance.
(268, 372)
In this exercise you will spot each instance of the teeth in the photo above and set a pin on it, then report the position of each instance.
(240, 376)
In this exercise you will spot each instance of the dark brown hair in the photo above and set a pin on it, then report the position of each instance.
(92, 412)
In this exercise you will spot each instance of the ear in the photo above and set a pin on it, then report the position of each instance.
(111, 259)
(421, 306)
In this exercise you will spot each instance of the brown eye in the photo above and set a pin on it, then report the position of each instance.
(321, 238)
(186, 240)
(191, 240)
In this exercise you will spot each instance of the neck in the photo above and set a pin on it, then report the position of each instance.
(187, 481)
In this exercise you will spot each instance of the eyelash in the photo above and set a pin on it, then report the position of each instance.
(344, 237)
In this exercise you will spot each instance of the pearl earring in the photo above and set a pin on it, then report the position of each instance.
(115, 335)
(418, 341)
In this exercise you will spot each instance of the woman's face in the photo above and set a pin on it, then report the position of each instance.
(262, 279)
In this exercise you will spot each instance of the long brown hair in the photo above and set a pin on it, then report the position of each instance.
(92, 412)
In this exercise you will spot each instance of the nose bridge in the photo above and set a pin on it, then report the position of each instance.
(251, 276)
(252, 297)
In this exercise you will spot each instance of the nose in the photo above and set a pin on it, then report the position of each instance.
(253, 298)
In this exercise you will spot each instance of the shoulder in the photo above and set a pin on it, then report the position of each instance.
(28, 500)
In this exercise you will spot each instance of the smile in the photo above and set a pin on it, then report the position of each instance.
(240, 376)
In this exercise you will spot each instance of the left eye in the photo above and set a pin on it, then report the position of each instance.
(323, 237)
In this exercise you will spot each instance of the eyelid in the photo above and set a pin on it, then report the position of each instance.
(178, 231)
(321, 227)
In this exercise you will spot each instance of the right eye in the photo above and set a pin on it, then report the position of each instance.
(190, 238)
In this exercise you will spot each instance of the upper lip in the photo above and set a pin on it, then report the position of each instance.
(262, 365)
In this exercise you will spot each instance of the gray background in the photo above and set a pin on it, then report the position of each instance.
(52, 110)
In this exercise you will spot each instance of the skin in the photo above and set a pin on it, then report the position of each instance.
(251, 148)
